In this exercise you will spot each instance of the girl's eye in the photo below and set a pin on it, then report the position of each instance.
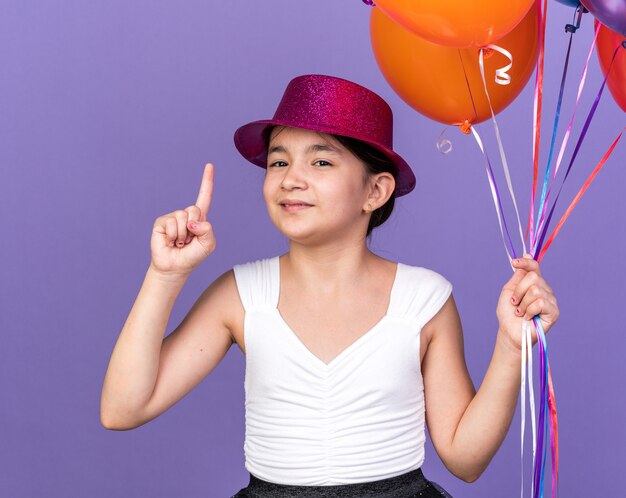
(278, 163)
(323, 163)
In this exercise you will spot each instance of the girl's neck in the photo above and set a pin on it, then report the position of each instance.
(329, 267)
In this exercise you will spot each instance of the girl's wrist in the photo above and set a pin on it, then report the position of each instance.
(510, 351)
(167, 277)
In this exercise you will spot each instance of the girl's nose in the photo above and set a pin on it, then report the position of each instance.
(294, 176)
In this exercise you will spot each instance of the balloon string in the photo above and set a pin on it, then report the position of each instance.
(523, 403)
(503, 81)
(548, 396)
(537, 107)
(541, 216)
(496, 199)
(537, 111)
(583, 133)
(556, 124)
(533, 412)
(554, 434)
(527, 365)
(469, 88)
(579, 195)
(539, 467)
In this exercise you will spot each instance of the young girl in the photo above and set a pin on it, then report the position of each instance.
(348, 355)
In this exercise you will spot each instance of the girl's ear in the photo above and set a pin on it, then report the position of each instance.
(382, 186)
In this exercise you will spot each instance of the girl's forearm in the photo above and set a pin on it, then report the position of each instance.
(134, 364)
(487, 419)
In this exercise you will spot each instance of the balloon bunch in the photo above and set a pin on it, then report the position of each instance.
(436, 55)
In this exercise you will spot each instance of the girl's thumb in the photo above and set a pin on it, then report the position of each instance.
(199, 228)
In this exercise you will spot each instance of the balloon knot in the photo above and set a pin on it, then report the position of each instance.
(624, 44)
(369, 2)
(487, 52)
(466, 127)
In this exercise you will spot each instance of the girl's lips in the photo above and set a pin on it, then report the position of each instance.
(294, 207)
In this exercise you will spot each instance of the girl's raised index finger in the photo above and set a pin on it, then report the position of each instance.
(206, 192)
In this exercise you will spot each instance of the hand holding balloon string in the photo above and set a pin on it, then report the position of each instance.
(524, 296)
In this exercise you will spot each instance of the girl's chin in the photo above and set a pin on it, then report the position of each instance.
(299, 233)
(311, 235)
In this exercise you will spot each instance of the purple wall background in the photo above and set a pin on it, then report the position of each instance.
(108, 113)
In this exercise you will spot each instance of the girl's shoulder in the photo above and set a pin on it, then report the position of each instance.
(422, 273)
(419, 292)
(257, 282)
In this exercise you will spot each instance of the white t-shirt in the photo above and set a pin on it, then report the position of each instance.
(359, 418)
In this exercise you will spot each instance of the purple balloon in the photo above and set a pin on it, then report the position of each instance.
(611, 13)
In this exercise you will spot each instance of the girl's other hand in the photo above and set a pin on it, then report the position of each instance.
(525, 295)
(182, 239)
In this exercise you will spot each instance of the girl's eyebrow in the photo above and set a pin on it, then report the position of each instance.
(326, 147)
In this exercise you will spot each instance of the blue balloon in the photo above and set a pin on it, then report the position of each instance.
(571, 3)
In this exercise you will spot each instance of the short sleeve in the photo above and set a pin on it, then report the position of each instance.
(256, 283)
(421, 294)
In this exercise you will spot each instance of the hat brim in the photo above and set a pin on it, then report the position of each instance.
(249, 141)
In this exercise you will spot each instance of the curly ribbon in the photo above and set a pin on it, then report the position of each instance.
(443, 144)
(502, 75)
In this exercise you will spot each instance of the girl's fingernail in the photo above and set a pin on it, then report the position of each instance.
(518, 311)
(513, 299)
(171, 244)
(192, 224)
(180, 244)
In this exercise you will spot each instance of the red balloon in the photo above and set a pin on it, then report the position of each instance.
(608, 41)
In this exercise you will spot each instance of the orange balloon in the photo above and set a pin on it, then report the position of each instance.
(608, 41)
(457, 23)
(432, 78)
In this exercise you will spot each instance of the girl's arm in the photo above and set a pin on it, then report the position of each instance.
(148, 374)
(468, 427)
(134, 363)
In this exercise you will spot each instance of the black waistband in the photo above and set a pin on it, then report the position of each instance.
(400, 486)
